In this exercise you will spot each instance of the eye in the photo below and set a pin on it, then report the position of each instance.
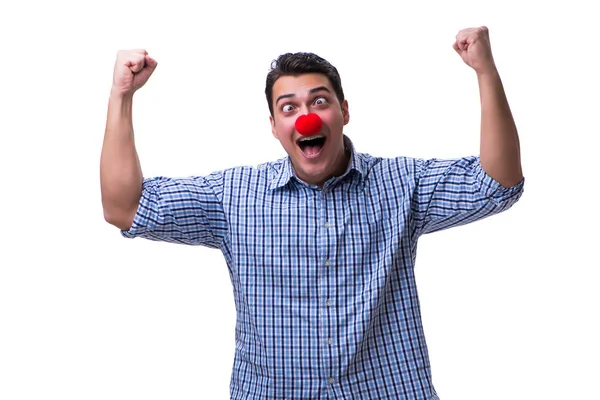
(320, 100)
(287, 108)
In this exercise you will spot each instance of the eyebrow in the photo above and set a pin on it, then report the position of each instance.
(311, 91)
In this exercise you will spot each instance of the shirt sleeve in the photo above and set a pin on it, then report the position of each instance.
(456, 192)
(181, 210)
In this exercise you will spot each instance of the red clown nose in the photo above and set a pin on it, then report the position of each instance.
(309, 124)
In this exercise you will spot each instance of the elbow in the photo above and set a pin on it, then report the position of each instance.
(512, 178)
(507, 174)
(507, 181)
(121, 220)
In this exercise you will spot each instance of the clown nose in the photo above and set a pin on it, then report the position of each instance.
(309, 124)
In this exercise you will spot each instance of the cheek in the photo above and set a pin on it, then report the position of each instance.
(285, 128)
(332, 118)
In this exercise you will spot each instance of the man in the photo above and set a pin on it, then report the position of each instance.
(320, 245)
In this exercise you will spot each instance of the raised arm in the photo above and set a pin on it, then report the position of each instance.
(500, 150)
(120, 170)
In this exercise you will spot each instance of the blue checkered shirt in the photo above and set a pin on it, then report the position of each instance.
(323, 278)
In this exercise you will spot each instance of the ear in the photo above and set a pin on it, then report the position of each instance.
(273, 130)
(345, 112)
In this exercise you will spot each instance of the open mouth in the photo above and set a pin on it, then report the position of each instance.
(311, 146)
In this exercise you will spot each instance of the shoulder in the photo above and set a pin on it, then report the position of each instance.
(388, 167)
(253, 178)
(266, 170)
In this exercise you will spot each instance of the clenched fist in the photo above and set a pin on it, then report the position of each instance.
(473, 46)
(132, 70)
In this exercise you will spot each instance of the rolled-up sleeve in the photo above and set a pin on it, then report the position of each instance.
(456, 192)
(181, 210)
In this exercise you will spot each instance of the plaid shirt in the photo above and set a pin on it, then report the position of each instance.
(323, 278)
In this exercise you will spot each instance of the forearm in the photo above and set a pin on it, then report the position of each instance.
(500, 149)
(120, 171)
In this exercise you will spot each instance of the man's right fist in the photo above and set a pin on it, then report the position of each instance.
(132, 70)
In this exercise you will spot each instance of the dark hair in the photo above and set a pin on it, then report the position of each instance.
(302, 63)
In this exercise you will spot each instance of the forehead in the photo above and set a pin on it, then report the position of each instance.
(299, 85)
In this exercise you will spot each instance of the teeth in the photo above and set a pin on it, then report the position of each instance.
(310, 138)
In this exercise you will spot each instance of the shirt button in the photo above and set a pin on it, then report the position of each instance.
(328, 263)
(329, 341)
(326, 225)
(330, 380)
(328, 303)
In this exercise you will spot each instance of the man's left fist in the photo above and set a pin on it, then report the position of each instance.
(473, 46)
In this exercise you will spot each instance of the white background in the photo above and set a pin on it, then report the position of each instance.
(510, 304)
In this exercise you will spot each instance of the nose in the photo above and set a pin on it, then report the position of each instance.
(309, 124)
(304, 109)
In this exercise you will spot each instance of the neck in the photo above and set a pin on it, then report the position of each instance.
(342, 162)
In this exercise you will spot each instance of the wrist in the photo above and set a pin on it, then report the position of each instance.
(120, 104)
(118, 94)
(488, 73)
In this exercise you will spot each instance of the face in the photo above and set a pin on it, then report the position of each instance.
(324, 157)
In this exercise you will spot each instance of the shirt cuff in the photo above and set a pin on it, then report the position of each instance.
(147, 210)
(492, 189)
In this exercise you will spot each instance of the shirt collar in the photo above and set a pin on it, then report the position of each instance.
(283, 175)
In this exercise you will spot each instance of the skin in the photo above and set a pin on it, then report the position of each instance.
(120, 171)
(499, 148)
(121, 175)
(310, 93)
